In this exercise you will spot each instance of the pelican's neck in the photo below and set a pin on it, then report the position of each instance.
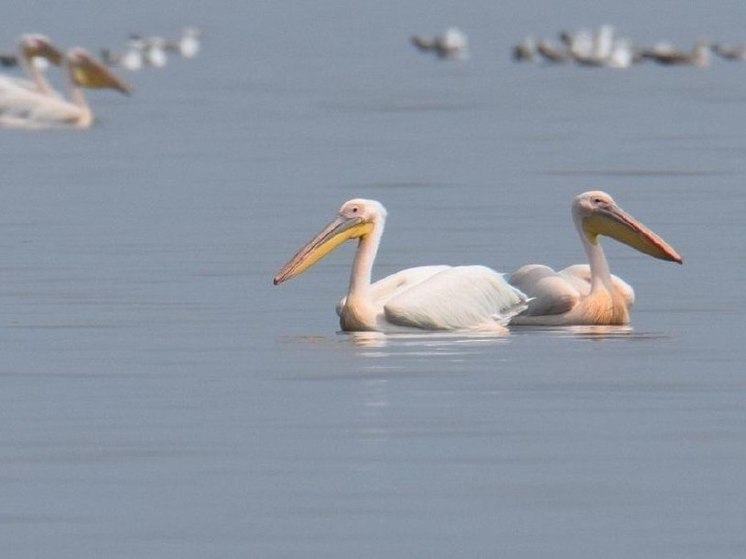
(600, 273)
(36, 75)
(362, 266)
(359, 312)
(77, 97)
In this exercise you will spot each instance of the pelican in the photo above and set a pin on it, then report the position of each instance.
(32, 48)
(35, 110)
(588, 294)
(474, 298)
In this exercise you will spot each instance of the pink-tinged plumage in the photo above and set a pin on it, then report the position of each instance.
(588, 294)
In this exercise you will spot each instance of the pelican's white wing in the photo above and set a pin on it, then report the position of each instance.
(458, 298)
(550, 292)
(17, 94)
(555, 293)
(388, 287)
(54, 111)
(21, 108)
(18, 101)
(23, 83)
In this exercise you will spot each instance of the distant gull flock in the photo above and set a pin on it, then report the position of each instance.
(139, 52)
(32, 103)
(601, 47)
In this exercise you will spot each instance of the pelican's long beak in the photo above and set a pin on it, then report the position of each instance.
(333, 235)
(614, 222)
(90, 73)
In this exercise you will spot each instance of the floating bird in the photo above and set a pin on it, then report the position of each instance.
(588, 294)
(622, 54)
(730, 53)
(668, 55)
(32, 48)
(154, 52)
(525, 51)
(590, 49)
(428, 297)
(552, 53)
(187, 45)
(35, 111)
(452, 44)
(131, 58)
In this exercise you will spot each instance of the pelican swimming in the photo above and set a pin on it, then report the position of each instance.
(34, 110)
(32, 49)
(472, 298)
(588, 294)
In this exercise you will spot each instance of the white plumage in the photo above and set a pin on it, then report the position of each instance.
(425, 298)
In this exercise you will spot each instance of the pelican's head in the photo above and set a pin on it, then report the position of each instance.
(355, 220)
(595, 213)
(34, 45)
(88, 72)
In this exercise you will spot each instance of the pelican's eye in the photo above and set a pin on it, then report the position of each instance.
(600, 201)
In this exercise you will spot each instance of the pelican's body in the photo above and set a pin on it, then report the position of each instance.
(425, 298)
(35, 110)
(588, 294)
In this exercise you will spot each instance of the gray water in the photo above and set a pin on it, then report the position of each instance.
(160, 398)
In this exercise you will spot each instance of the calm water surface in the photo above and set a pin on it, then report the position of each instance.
(160, 398)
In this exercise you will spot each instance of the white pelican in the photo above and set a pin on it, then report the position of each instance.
(582, 294)
(35, 110)
(32, 47)
(428, 297)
